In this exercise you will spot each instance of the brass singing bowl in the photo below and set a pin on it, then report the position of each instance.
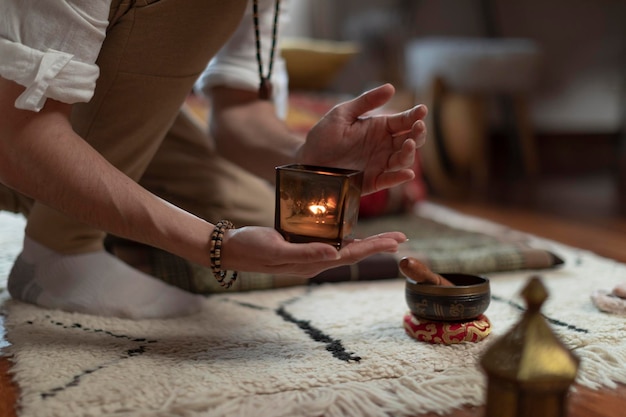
(466, 300)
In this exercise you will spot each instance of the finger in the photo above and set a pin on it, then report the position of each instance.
(391, 179)
(358, 250)
(405, 121)
(419, 133)
(403, 158)
(368, 101)
(350, 253)
(303, 253)
(397, 236)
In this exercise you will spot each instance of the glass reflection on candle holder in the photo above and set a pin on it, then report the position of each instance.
(317, 204)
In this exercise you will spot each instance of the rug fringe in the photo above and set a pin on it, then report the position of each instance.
(381, 398)
(602, 366)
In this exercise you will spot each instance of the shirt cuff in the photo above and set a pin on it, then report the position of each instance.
(46, 74)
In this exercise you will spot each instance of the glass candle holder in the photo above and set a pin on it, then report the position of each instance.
(317, 204)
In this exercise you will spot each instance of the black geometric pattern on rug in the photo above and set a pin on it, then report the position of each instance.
(550, 320)
(334, 346)
(127, 354)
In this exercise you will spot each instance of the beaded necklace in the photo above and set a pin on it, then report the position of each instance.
(265, 87)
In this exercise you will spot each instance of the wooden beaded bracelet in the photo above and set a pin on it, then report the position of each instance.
(215, 254)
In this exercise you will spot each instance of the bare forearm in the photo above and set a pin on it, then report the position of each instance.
(248, 132)
(42, 157)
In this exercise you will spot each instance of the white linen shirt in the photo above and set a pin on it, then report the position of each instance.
(50, 47)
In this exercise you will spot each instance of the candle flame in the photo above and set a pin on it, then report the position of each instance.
(317, 209)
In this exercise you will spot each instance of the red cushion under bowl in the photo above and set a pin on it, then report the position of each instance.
(447, 333)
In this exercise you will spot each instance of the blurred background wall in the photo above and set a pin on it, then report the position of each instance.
(582, 81)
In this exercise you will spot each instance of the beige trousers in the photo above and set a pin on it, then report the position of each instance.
(153, 53)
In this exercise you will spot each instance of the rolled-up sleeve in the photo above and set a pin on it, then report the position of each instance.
(50, 47)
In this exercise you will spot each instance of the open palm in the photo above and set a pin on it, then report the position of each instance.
(383, 146)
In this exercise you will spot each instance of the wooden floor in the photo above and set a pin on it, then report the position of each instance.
(580, 212)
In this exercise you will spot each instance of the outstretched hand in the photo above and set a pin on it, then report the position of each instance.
(263, 249)
(383, 146)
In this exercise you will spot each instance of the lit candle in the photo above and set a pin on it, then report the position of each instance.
(316, 203)
(317, 209)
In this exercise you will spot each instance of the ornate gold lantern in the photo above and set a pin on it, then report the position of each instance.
(529, 369)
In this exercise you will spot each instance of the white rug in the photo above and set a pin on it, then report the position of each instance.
(331, 350)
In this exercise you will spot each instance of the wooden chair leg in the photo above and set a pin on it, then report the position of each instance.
(466, 133)
(528, 145)
(436, 163)
(455, 158)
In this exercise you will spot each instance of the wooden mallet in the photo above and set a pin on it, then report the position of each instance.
(417, 271)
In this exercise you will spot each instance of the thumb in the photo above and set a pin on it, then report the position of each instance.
(368, 101)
